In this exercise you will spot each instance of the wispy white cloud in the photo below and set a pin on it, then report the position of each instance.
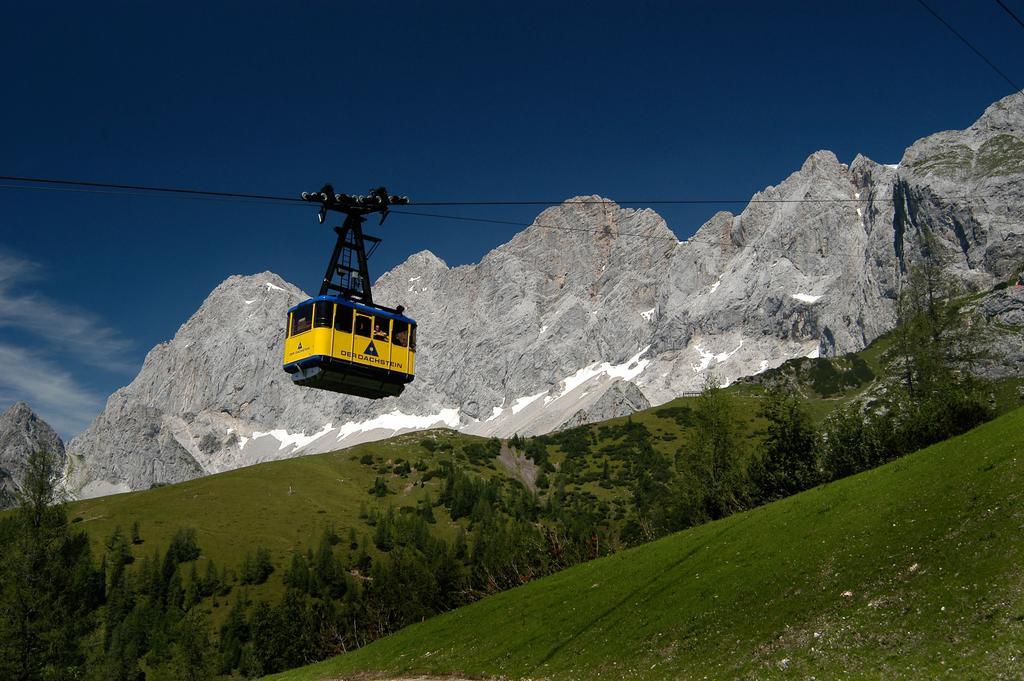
(44, 338)
(66, 329)
(51, 392)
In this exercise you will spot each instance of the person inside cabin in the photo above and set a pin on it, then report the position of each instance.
(379, 333)
(303, 321)
(400, 338)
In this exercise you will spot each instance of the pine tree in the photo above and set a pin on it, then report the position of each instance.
(789, 462)
(936, 348)
(234, 634)
(48, 586)
(212, 583)
(716, 451)
(192, 592)
(427, 509)
(193, 655)
(326, 571)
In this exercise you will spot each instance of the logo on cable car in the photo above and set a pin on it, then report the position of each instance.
(371, 350)
(300, 346)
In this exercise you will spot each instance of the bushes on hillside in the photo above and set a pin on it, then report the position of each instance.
(789, 457)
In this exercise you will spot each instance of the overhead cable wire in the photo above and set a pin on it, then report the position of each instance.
(653, 237)
(1011, 13)
(968, 43)
(141, 191)
(618, 202)
(521, 225)
(149, 188)
(140, 194)
(90, 187)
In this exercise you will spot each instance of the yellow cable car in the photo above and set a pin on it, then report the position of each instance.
(348, 347)
(341, 340)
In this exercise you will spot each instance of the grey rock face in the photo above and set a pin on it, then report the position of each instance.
(621, 399)
(967, 188)
(550, 328)
(556, 298)
(806, 268)
(1003, 313)
(1005, 307)
(216, 381)
(21, 434)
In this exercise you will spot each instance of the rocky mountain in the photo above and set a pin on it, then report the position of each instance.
(21, 434)
(591, 312)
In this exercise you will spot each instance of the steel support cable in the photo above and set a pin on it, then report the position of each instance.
(251, 198)
(768, 247)
(145, 195)
(141, 191)
(1011, 13)
(628, 203)
(968, 43)
(90, 187)
(150, 188)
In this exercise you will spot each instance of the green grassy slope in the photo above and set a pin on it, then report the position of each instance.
(911, 570)
(282, 505)
(285, 505)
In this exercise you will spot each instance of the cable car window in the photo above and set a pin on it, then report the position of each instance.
(381, 329)
(401, 333)
(362, 326)
(343, 319)
(302, 319)
(412, 338)
(322, 314)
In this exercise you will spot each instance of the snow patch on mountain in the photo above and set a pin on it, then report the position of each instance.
(627, 371)
(295, 440)
(707, 358)
(524, 402)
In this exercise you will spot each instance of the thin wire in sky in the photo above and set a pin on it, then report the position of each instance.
(1011, 13)
(967, 42)
(635, 235)
(143, 195)
(136, 190)
(148, 191)
(149, 188)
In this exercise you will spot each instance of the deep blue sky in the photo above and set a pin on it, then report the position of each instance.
(461, 100)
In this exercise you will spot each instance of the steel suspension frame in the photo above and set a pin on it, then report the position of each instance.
(348, 263)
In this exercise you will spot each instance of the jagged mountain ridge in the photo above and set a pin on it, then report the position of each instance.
(592, 311)
(22, 432)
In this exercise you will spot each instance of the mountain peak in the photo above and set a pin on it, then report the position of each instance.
(21, 434)
(18, 409)
(822, 159)
(1004, 115)
(425, 259)
(267, 279)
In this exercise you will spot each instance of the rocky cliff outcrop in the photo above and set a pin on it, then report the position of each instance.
(550, 328)
(21, 434)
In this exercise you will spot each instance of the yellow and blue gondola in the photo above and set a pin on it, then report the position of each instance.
(341, 340)
(345, 346)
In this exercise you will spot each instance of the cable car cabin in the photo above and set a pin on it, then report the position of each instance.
(345, 346)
